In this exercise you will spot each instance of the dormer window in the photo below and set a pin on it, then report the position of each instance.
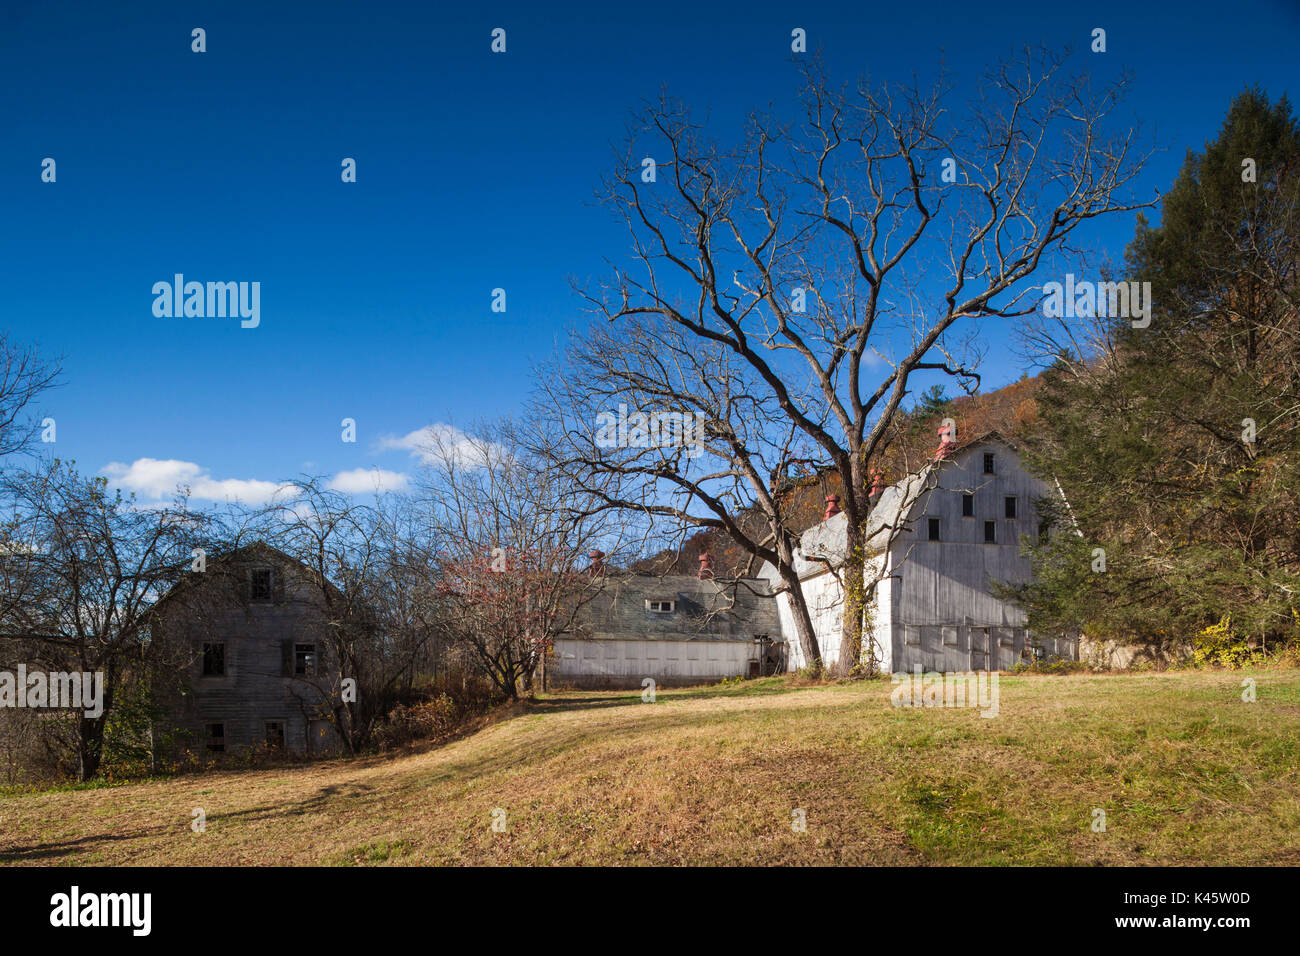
(661, 607)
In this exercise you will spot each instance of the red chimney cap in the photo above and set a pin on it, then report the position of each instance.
(946, 444)
(706, 565)
(832, 506)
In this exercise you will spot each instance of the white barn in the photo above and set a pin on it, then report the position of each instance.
(942, 537)
(675, 629)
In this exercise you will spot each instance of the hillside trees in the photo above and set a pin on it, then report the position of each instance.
(1178, 445)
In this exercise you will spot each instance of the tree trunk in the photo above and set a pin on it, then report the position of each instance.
(853, 574)
(90, 746)
(803, 626)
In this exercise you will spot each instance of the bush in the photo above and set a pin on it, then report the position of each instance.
(1218, 646)
(1057, 666)
(436, 709)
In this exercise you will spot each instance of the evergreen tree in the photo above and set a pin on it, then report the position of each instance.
(1178, 445)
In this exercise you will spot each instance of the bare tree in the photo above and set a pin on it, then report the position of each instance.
(705, 447)
(23, 376)
(512, 539)
(370, 575)
(833, 258)
(81, 569)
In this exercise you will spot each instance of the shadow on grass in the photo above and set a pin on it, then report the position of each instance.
(581, 700)
(55, 849)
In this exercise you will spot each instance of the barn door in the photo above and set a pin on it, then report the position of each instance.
(979, 648)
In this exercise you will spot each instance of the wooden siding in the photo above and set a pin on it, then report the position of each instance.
(258, 685)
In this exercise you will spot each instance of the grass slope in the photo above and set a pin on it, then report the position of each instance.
(1186, 772)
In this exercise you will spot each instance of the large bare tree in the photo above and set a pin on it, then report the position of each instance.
(807, 273)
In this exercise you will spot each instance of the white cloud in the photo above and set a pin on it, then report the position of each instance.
(434, 444)
(156, 479)
(361, 481)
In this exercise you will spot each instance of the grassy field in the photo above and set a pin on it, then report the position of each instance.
(1186, 772)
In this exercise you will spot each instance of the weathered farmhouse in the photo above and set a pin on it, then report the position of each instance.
(938, 540)
(674, 629)
(253, 668)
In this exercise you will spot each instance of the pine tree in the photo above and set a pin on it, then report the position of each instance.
(1178, 445)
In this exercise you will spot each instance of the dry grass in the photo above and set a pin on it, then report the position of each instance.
(1186, 772)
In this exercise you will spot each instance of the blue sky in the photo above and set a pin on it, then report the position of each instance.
(475, 171)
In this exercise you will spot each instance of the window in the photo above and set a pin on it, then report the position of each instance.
(1011, 506)
(1044, 529)
(911, 635)
(261, 584)
(934, 529)
(988, 463)
(968, 506)
(990, 532)
(661, 607)
(304, 660)
(214, 660)
(216, 742)
(949, 637)
(275, 734)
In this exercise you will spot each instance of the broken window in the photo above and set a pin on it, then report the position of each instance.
(304, 660)
(216, 742)
(261, 584)
(214, 660)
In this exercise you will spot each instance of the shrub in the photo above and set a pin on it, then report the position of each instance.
(1218, 646)
(1057, 666)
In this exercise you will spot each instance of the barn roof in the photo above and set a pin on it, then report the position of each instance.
(705, 609)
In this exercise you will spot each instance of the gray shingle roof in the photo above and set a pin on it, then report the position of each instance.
(711, 609)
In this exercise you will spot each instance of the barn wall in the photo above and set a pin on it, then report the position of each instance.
(710, 634)
(935, 608)
(826, 608)
(610, 661)
(946, 616)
